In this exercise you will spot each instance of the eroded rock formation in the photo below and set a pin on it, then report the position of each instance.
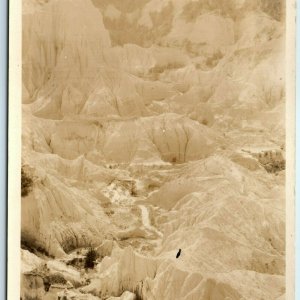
(150, 126)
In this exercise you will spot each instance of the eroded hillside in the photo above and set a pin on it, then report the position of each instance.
(150, 126)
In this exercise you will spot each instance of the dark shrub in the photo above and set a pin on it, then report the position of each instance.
(26, 183)
(133, 191)
(90, 259)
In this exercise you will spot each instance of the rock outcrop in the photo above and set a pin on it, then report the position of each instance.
(150, 126)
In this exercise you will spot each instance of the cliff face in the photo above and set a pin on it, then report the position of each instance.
(150, 126)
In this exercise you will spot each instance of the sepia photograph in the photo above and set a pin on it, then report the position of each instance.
(153, 150)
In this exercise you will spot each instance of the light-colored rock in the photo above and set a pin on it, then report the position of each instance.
(149, 126)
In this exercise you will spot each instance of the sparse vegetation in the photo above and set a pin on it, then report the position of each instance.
(157, 70)
(274, 8)
(120, 167)
(275, 166)
(33, 248)
(153, 186)
(76, 262)
(70, 243)
(26, 183)
(272, 162)
(27, 246)
(109, 212)
(56, 278)
(133, 191)
(204, 122)
(90, 258)
(192, 10)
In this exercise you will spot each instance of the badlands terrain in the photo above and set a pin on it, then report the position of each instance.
(151, 126)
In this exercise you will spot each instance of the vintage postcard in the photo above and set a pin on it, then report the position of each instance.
(151, 149)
